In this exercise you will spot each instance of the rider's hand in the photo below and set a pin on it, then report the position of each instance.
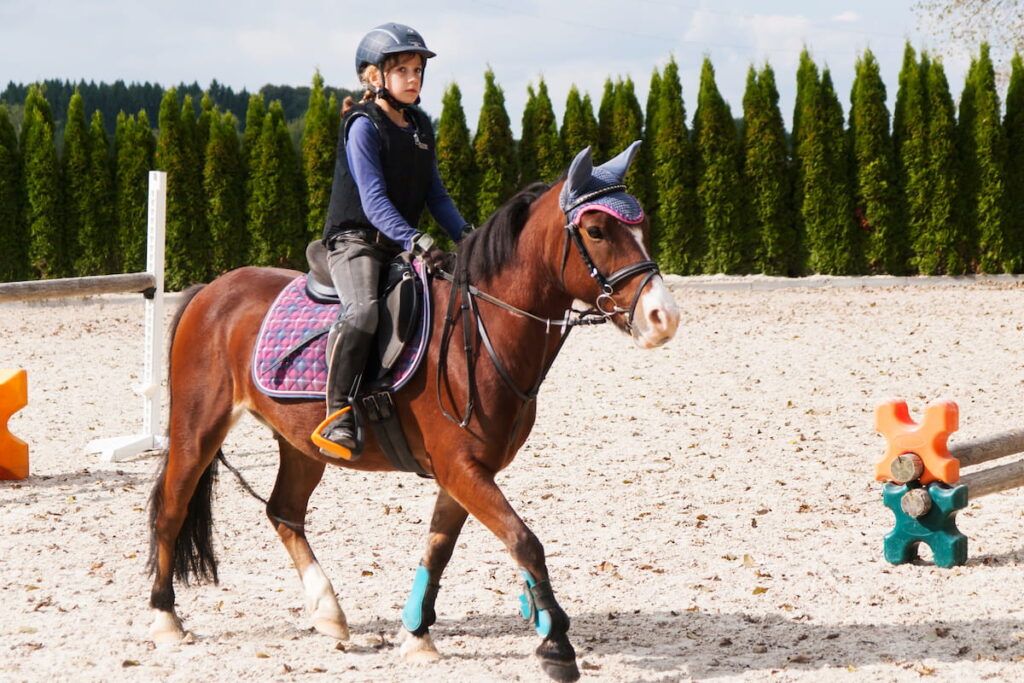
(423, 248)
(435, 258)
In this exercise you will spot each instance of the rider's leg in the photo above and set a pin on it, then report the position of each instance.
(355, 269)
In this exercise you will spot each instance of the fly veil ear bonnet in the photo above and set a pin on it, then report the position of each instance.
(600, 189)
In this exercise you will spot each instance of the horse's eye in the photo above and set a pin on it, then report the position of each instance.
(595, 233)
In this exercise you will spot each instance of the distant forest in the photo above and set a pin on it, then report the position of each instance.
(113, 98)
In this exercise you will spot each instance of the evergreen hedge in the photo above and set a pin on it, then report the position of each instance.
(940, 191)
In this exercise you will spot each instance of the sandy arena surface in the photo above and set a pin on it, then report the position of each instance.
(707, 508)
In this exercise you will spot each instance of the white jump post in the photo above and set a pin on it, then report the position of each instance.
(118, 448)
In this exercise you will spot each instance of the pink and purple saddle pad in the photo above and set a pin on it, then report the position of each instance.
(289, 360)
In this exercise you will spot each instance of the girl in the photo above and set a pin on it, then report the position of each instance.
(385, 174)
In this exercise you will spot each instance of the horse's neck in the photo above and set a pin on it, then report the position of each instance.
(530, 281)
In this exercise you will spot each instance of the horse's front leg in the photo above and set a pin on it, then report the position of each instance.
(419, 615)
(472, 485)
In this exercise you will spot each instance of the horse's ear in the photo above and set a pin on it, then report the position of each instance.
(620, 164)
(579, 174)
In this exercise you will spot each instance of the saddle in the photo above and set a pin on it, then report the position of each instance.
(289, 358)
(401, 302)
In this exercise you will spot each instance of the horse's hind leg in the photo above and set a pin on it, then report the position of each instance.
(418, 615)
(297, 477)
(181, 521)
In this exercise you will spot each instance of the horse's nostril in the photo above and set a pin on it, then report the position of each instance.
(656, 318)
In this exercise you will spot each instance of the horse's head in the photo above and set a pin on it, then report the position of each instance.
(612, 267)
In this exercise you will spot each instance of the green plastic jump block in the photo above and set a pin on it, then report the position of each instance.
(937, 528)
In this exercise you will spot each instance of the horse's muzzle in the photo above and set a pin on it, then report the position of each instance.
(656, 317)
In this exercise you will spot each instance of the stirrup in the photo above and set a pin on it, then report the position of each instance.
(331, 449)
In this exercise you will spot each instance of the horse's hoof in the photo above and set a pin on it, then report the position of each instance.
(331, 627)
(418, 649)
(166, 628)
(560, 671)
(558, 659)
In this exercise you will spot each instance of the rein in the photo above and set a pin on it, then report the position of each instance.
(467, 295)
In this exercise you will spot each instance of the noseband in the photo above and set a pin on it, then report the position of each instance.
(605, 304)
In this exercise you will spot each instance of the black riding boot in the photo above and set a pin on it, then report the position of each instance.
(347, 361)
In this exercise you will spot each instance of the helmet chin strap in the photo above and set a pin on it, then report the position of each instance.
(386, 95)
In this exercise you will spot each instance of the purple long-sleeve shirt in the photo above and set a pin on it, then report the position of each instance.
(362, 151)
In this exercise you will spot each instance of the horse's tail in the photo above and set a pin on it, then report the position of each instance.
(193, 550)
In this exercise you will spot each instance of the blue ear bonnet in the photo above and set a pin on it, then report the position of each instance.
(584, 181)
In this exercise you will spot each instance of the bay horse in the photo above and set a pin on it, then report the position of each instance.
(519, 280)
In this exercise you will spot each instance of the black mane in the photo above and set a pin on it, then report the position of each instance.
(487, 249)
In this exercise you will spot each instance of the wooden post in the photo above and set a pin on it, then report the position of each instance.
(987, 448)
(994, 479)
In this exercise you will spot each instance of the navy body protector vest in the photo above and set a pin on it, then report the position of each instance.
(407, 161)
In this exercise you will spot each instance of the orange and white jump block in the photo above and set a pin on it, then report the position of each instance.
(13, 451)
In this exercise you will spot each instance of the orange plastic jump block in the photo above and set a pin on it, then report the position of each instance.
(13, 451)
(927, 440)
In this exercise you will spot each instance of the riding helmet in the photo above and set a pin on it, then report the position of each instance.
(388, 39)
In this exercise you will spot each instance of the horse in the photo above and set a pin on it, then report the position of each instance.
(465, 414)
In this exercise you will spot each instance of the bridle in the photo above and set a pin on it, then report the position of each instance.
(603, 309)
(606, 283)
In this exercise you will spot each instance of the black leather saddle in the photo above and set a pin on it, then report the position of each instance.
(401, 300)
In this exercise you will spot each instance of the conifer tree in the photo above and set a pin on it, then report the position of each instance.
(941, 243)
(13, 237)
(97, 248)
(592, 126)
(966, 206)
(224, 187)
(910, 140)
(627, 126)
(494, 150)
(203, 123)
(319, 145)
(605, 123)
(808, 80)
(1014, 126)
(832, 237)
(173, 157)
(254, 117)
(766, 176)
(77, 198)
(276, 223)
(527, 147)
(547, 143)
(455, 160)
(42, 187)
(645, 156)
(651, 111)
(199, 244)
(985, 167)
(887, 248)
(728, 247)
(677, 230)
(577, 127)
(134, 148)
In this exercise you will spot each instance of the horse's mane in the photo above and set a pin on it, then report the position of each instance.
(487, 250)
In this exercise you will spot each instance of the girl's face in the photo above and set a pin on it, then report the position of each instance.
(405, 78)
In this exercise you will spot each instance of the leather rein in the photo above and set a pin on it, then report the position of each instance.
(603, 309)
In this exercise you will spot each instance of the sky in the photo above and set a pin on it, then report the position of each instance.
(250, 44)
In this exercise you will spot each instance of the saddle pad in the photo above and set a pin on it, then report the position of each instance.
(289, 359)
